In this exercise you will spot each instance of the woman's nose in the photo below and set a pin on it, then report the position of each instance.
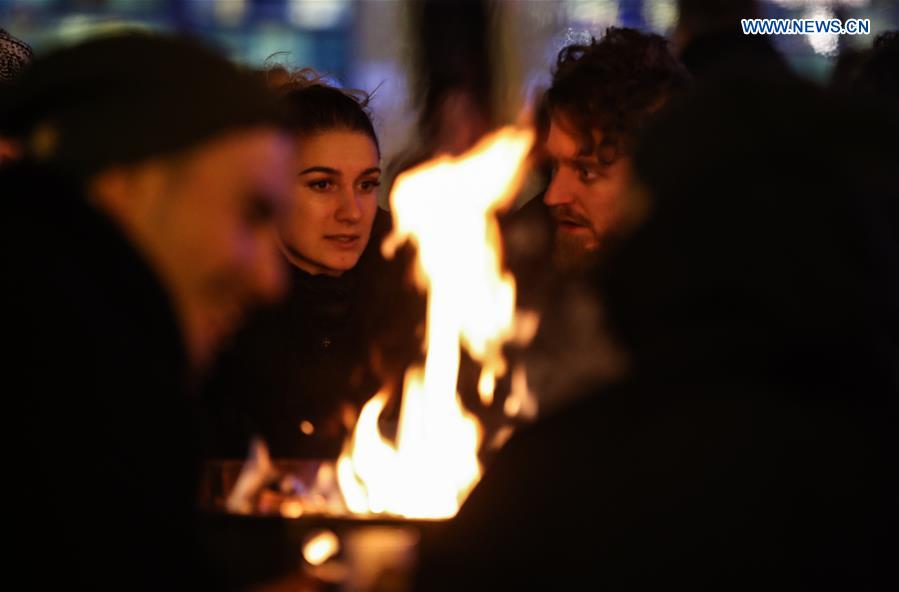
(349, 209)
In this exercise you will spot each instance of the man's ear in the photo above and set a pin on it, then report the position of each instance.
(128, 194)
(107, 191)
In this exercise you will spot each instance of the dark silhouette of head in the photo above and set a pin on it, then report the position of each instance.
(770, 248)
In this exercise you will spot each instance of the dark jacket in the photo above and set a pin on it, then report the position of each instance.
(104, 454)
(645, 486)
(310, 356)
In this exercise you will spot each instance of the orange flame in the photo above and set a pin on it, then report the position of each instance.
(320, 547)
(447, 209)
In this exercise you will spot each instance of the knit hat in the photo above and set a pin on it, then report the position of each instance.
(14, 56)
(121, 99)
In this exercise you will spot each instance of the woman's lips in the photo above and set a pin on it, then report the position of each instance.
(344, 241)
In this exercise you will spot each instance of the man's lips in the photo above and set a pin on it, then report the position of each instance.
(568, 225)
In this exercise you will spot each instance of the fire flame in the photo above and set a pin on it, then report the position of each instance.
(447, 209)
(320, 547)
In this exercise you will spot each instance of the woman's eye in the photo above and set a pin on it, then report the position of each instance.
(320, 185)
(370, 185)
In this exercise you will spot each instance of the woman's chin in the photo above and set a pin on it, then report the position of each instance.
(341, 263)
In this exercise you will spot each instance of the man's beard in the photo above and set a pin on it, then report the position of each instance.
(573, 253)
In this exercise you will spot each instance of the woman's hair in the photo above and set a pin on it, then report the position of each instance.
(319, 107)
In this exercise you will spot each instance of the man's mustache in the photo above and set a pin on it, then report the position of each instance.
(565, 213)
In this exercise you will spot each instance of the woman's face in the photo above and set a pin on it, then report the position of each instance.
(334, 201)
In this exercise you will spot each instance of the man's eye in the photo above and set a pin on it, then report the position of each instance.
(259, 210)
(588, 174)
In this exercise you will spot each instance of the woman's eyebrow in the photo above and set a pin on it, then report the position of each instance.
(320, 169)
(371, 171)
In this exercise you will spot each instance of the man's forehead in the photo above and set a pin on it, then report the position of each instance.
(250, 154)
(564, 143)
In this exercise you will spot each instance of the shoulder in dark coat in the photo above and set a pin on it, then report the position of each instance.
(105, 451)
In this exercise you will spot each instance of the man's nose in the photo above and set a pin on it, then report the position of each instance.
(559, 191)
(269, 272)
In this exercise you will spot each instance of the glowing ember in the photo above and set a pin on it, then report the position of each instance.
(292, 508)
(320, 547)
(253, 475)
(447, 209)
(521, 402)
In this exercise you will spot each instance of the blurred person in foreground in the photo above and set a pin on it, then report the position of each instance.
(749, 442)
(140, 225)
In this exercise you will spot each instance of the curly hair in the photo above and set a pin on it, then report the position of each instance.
(612, 85)
(319, 107)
